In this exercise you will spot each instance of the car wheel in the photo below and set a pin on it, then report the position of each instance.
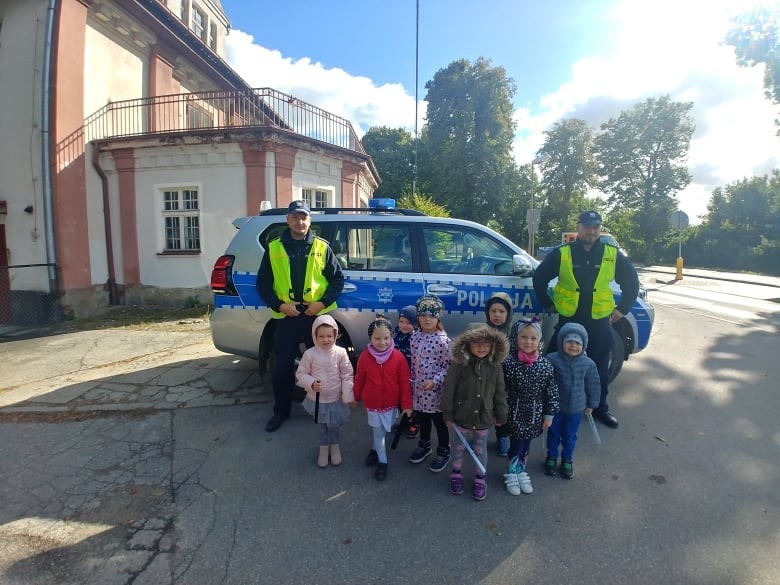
(618, 355)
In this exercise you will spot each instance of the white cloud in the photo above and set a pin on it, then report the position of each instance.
(357, 99)
(673, 47)
(665, 47)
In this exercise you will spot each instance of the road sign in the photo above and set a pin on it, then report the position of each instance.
(532, 216)
(679, 220)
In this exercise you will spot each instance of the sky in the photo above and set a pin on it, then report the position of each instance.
(587, 59)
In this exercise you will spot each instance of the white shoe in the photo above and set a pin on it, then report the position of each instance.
(524, 481)
(512, 483)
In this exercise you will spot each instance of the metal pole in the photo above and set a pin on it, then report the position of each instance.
(416, 77)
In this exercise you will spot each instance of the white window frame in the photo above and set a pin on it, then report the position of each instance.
(317, 197)
(212, 42)
(199, 22)
(176, 203)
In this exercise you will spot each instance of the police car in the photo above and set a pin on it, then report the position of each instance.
(390, 257)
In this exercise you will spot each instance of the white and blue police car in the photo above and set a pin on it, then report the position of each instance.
(391, 257)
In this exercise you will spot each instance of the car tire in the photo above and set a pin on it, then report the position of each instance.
(618, 355)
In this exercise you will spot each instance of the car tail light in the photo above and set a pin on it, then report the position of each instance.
(221, 276)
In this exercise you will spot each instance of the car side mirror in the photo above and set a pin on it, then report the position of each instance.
(521, 265)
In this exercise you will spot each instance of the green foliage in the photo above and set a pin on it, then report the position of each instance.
(422, 203)
(641, 159)
(393, 152)
(755, 36)
(568, 170)
(742, 228)
(470, 130)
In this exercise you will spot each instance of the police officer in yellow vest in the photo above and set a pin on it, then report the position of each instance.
(585, 268)
(299, 278)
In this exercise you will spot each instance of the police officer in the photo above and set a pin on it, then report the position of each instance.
(585, 268)
(299, 278)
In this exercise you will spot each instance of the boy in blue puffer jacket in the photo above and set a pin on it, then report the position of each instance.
(580, 390)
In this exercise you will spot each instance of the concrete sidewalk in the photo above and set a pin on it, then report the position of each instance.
(741, 277)
(123, 369)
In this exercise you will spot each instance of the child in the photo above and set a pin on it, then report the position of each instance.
(474, 397)
(580, 390)
(430, 359)
(498, 311)
(325, 369)
(402, 336)
(382, 383)
(532, 397)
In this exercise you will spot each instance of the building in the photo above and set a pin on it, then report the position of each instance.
(129, 146)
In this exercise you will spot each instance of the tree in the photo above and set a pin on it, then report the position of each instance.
(755, 37)
(641, 159)
(422, 203)
(741, 230)
(469, 135)
(393, 152)
(568, 171)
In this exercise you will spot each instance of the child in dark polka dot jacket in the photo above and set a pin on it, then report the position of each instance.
(532, 397)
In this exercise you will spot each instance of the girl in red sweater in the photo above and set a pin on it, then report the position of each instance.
(382, 384)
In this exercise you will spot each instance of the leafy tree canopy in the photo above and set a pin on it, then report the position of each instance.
(393, 152)
(641, 158)
(755, 36)
(469, 134)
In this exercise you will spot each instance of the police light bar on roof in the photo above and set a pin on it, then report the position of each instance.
(381, 203)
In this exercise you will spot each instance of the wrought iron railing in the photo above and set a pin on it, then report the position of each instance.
(192, 112)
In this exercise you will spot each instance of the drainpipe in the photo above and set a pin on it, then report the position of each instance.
(51, 252)
(112, 292)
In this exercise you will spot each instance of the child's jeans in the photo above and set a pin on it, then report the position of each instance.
(563, 431)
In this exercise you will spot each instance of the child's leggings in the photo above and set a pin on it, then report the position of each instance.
(519, 448)
(428, 419)
(478, 439)
(329, 434)
(379, 443)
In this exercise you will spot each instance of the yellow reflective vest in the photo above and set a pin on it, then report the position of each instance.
(566, 294)
(314, 282)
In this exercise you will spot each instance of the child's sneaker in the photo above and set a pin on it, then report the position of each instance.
(549, 466)
(456, 483)
(479, 489)
(502, 446)
(567, 469)
(441, 461)
(525, 483)
(512, 483)
(422, 452)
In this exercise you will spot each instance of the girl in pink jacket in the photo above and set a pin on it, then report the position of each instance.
(382, 384)
(325, 372)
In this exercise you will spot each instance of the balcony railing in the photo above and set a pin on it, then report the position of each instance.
(192, 112)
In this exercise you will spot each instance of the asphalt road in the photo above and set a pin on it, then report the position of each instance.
(684, 492)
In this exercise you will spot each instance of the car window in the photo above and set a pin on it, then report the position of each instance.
(275, 230)
(373, 247)
(607, 239)
(463, 251)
